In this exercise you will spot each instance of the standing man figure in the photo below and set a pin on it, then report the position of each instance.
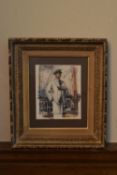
(55, 93)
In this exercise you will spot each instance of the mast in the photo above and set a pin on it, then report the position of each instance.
(74, 77)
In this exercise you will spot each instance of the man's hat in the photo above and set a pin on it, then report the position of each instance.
(58, 71)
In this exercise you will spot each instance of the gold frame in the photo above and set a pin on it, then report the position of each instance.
(25, 137)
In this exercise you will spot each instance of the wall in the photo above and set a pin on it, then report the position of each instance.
(58, 18)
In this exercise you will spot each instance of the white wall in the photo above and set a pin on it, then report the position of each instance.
(58, 18)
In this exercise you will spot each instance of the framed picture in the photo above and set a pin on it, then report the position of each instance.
(57, 92)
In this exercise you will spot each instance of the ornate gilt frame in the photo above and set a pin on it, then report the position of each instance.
(22, 136)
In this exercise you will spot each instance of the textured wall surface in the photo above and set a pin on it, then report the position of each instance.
(58, 18)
